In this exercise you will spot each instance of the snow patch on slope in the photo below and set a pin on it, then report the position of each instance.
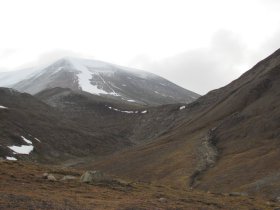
(85, 77)
(3, 107)
(131, 100)
(23, 149)
(37, 139)
(182, 107)
(26, 140)
(11, 158)
(128, 112)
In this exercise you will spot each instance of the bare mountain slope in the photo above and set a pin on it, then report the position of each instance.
(125, 120)
(227, 141)
(53, 136)
(75, 124)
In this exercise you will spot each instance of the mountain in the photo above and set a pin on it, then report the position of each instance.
(61, 124)
(226, 141)
(99, 78)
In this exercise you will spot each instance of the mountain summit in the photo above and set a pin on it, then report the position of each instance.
(101, 78)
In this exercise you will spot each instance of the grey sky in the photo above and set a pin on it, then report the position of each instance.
(214, 66)
(198, 44)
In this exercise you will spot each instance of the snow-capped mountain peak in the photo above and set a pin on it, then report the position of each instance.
(101, 78)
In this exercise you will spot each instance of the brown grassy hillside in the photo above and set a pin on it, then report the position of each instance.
(228, 140)
(24, 188)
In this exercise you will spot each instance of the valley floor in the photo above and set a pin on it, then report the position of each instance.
(23, 187)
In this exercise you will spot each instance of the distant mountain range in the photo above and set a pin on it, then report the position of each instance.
(99, 78)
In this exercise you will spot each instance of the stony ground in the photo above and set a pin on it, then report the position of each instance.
(23, 187)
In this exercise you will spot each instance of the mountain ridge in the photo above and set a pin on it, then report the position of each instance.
(101, 78)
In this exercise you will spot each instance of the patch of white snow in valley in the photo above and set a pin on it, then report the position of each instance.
(23, 149)
(144, 112)
(130, 100)
(11, 158)
(123, 85)
(117, 110)
(114, 94)
(182, 107)
(129, 112)
(3, 107)
(26, 140)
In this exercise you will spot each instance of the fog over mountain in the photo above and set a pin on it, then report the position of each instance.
(98, 78)
(190, 41)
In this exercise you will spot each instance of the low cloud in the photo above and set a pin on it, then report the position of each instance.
(272, 44)
(52, 56)
(7, 53)
(204, 69)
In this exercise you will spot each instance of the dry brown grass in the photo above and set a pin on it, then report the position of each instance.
(22, 187)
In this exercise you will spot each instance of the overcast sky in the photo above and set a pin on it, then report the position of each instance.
(198, 44)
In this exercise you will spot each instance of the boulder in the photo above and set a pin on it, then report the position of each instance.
(92, 176)
(45, 175)
(51, 177)
(68, 177)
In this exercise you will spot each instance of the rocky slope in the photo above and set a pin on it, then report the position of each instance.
(99, 78)
(227, 141)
